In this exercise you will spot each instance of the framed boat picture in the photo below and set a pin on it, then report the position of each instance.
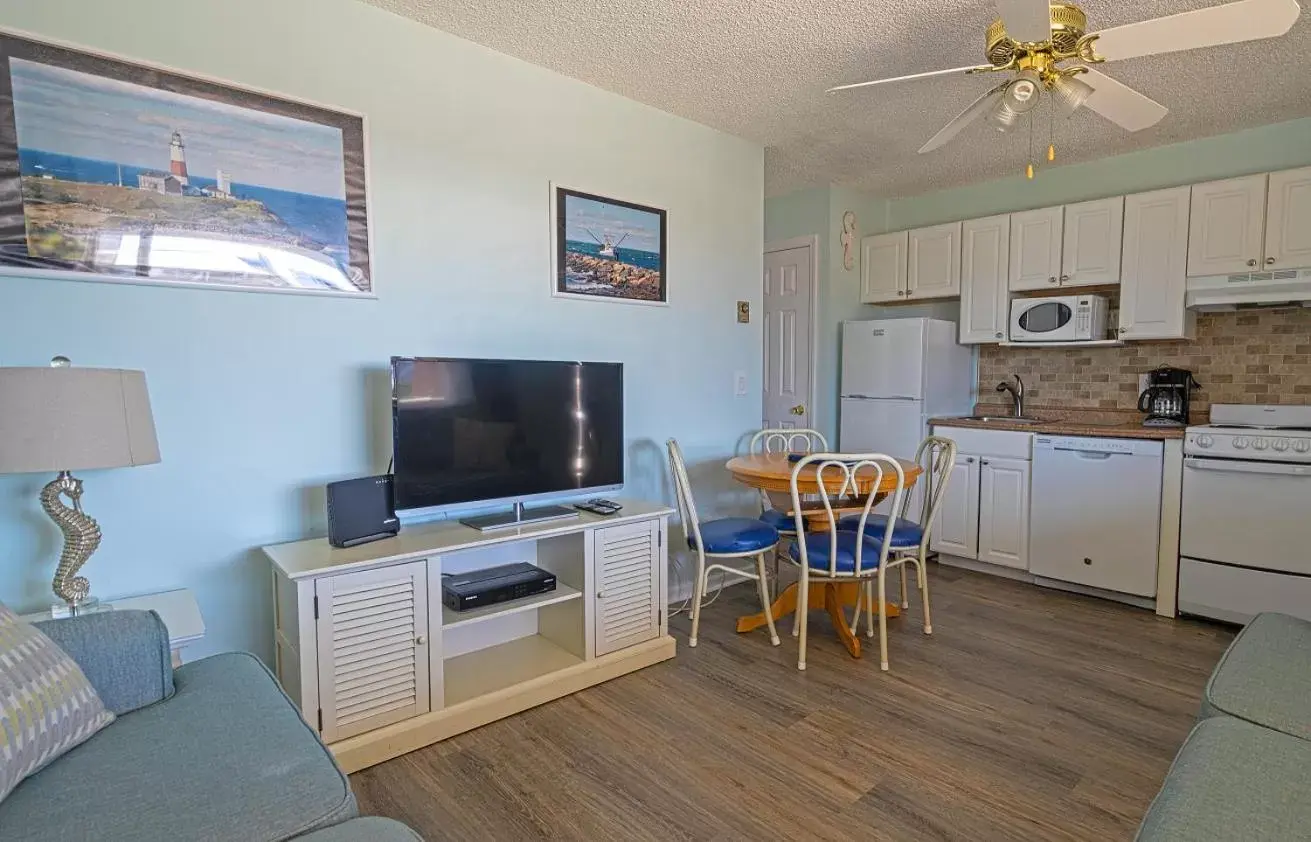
(114, 170)
(607, 249)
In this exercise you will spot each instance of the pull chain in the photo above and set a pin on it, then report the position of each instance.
(1051, 131)
(1028, 171)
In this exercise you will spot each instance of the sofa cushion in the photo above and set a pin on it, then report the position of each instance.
(47, 705)
(368, 829)
(227, 757)
(1233, 780)
(1265, 676)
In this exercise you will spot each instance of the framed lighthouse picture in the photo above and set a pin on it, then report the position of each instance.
(114, 170)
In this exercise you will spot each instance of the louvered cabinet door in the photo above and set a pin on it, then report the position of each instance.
(373, 648)
(627, 560)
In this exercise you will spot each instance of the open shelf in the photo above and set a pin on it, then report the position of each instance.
(455, 619)
(497, 667)
(1085, 343)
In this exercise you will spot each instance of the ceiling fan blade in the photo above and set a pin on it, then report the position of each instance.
(1246, 20)
(1026, 20)
(908, 78)
(975, 110)
(1120, 103)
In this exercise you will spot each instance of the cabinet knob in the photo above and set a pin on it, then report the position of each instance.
(1124, 330)
(420, 640)
(998, 335)
(901, 292)
(983, 461)
(1052, 279)
(1269, 261)
(969, 460)
(1251, 262)
(1064, 278)
(1087, 561)
(600, 594)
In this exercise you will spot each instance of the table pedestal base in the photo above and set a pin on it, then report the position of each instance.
(833, 597)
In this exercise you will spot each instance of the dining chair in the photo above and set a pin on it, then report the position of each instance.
(722, 538)
(834, 555)
(783, 440)
(911, 537)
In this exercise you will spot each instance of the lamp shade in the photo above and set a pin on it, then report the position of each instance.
(72, 419)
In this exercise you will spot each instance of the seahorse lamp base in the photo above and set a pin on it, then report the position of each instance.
(81, 538)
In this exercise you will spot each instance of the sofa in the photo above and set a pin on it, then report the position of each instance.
(213, 751)
(1244, 773)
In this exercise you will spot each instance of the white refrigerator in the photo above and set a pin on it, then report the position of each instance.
(896, 375)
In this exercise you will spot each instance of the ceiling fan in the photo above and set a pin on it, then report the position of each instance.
(1047, 50)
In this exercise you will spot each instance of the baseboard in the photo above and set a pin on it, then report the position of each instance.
(985, 567)
(1042, 582)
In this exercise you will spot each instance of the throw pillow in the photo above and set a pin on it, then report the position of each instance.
(47, 705)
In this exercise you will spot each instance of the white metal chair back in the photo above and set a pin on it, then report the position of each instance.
(783, 440)
(937, 456)
(683, 492)
(836, 476)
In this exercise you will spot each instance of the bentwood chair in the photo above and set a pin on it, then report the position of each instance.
(834, 555)
(911, 537)
(781, 440)
(723, 538)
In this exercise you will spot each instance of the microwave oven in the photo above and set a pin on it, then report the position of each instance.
(1061, 318)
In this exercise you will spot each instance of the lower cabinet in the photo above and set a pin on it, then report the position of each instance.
(1004, 512)
(985, 510)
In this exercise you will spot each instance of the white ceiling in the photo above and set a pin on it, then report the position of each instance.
(758, 69)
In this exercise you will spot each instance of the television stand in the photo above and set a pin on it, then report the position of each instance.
(519, 516)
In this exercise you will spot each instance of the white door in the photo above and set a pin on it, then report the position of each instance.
(985, 263)
(373, 648)
(1090, 254)
(628, 585)
(1155, 266)
(933, 270)
(956, 531)
(883, 359)
(789, 288)
(883, 268)
(1036, 248)
(1226, 225)
(1004, 512)
(1288, 220)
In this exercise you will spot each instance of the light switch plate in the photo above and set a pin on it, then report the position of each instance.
(740, 384)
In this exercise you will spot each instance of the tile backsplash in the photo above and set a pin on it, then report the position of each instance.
(1246, 356)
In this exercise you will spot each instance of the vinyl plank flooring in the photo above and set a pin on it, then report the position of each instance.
(1028, 714)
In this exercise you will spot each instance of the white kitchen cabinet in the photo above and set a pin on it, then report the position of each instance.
(985, 300)
(934, 261)
(1288, 220)
(956, 531)
(1090, 251)
(1226, 226)
(1154, 268)
(628, 562)
(1035, 258)
(883, 259)
(1004, 512)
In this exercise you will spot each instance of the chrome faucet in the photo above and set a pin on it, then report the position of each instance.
(1017, 393)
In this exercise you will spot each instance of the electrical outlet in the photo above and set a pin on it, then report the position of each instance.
(740, 384)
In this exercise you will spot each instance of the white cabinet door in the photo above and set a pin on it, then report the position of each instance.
(985, 265)
(1155, 266)
(933, 268)
(956, 531)
(628, 584)
(1004, 512)
(883, 268)
(1090, 254)
(1288, 220)
(1036, 248)
(373, 648)
(1225, 226)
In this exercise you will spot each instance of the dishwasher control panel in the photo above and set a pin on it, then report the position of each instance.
(1088, 444)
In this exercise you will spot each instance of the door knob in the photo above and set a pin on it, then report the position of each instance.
(799, 409)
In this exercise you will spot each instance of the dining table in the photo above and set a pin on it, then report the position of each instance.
(772, 473)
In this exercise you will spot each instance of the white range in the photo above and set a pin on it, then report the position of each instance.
(1245, 534)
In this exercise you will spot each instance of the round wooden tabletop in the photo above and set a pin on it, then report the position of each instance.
(773, 472)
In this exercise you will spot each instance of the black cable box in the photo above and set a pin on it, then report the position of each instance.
(491, 585)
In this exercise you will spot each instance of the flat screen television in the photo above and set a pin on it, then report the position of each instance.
(470, 431)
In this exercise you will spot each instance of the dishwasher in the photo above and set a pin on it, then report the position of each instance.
(1095, 518)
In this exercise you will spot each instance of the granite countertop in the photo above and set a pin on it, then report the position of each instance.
(1110, 423)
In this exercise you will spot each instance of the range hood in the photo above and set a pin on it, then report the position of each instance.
(1285, 287)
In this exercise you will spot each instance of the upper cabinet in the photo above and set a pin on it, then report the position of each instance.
(1288, 220)
(1035, 259)
(1226, 225)
(1153, 271)
(1090, 253)
(985, 266)
(933, 270)
(883, 268)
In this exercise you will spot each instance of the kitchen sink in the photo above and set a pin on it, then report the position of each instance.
(1007, 419)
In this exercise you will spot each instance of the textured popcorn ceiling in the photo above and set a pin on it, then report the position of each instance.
(758, 69)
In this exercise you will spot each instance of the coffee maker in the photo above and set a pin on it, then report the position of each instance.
(1165, 400)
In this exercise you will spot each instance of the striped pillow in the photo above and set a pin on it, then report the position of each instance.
(47, 705)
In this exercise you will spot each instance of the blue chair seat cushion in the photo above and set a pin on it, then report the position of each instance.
(735, 535)
(819, 546)
(905, 533)
(784, 522)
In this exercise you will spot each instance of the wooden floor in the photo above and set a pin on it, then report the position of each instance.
(1029, 714)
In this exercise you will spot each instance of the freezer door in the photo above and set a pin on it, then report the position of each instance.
(883, 359)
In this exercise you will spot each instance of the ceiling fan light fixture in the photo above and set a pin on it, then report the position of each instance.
(1001, 116)
(1070, 92)
(1024, 92)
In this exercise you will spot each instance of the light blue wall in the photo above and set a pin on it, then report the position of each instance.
(261, 399)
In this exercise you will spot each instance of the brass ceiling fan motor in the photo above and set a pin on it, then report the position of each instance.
(1069, 24)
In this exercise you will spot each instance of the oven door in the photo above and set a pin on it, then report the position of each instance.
(1254, 514)
(1043, 320)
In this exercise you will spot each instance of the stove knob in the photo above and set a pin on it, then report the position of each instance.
(1260, 444)
(1280, 445)
(1205, 440)
(1302, 445)
(1240, 442)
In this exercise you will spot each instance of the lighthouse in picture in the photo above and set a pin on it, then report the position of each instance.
(177, 154)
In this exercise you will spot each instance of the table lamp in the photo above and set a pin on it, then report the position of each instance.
(65, 419)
